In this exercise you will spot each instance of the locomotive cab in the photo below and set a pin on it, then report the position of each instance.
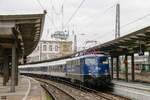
(96, 71)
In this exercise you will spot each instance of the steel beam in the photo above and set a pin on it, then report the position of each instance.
(13, 68)
(132, 67)
(6, 70)
(126, 67)
(16, 70)
(112, 67)
(149, 57)
(117, 67)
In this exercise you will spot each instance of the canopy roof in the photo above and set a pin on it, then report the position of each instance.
(131, 43)
(26, 29)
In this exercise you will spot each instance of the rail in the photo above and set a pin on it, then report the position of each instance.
(49, 92)
(46, 85)
(105, 96)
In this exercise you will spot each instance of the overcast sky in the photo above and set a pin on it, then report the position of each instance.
(95, 18)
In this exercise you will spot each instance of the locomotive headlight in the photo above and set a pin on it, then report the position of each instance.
(106, 72)
(90, 73)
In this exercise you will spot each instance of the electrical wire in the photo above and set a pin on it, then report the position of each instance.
(40, 5)
(103, 13)
(123, 26)
(135, 20)
(49, 18)
(74, 13)
(47, 13)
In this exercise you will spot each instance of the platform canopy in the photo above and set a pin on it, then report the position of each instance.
(25, 29)
(135, 42)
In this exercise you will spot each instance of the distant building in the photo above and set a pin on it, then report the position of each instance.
(50, 49)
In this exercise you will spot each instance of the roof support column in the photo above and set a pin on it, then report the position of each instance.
(6, 70)
(24, 60)
(16, 70)
(112, 72)
(126, 67)
(132, 67)
(117, 67)
(1, 67)
(13, 68)
(149, 58)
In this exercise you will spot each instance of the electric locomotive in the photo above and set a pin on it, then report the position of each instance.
(89, 70)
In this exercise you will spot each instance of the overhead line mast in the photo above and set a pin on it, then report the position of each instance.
(117, 25)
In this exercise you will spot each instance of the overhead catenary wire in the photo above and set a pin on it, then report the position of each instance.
(106, 10)
(106, 33)
(47, 13)
(138, 19)
(40, 5)
(132, 22)
(58, 3)
(49, 18)
(102, 13)
(74, 13)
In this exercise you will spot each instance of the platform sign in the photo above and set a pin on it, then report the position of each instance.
(60, 35)
(141, 53)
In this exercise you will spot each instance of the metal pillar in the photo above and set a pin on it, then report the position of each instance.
(13, 68)
(6, 70)
(117, 26)
(149, 58)
(126, 67)
(117, 67)
(75, 43)
(112, 71)
(24, 60)
(16, 70)
(132, 67)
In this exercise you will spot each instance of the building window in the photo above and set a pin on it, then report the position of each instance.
(56, 48)
(44, 47)
(65, 48)
(50, 48)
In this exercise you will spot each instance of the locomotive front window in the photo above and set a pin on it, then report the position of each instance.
(103, 60)
(91, 61)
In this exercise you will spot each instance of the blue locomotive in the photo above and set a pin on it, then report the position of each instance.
(89, 70)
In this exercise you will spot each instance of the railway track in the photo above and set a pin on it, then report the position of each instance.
(80, 93)
(55, 92)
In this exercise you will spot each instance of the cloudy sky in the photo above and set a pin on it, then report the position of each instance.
(95, 18)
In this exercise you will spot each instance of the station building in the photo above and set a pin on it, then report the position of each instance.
(49, 50)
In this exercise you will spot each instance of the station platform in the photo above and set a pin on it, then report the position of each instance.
(27, 89)
(133, 90)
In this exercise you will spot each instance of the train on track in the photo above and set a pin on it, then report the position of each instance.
(89, 70)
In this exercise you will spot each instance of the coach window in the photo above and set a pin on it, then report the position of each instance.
(61, 68)
(51, 68)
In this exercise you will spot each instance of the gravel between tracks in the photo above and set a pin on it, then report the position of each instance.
(84, 95)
